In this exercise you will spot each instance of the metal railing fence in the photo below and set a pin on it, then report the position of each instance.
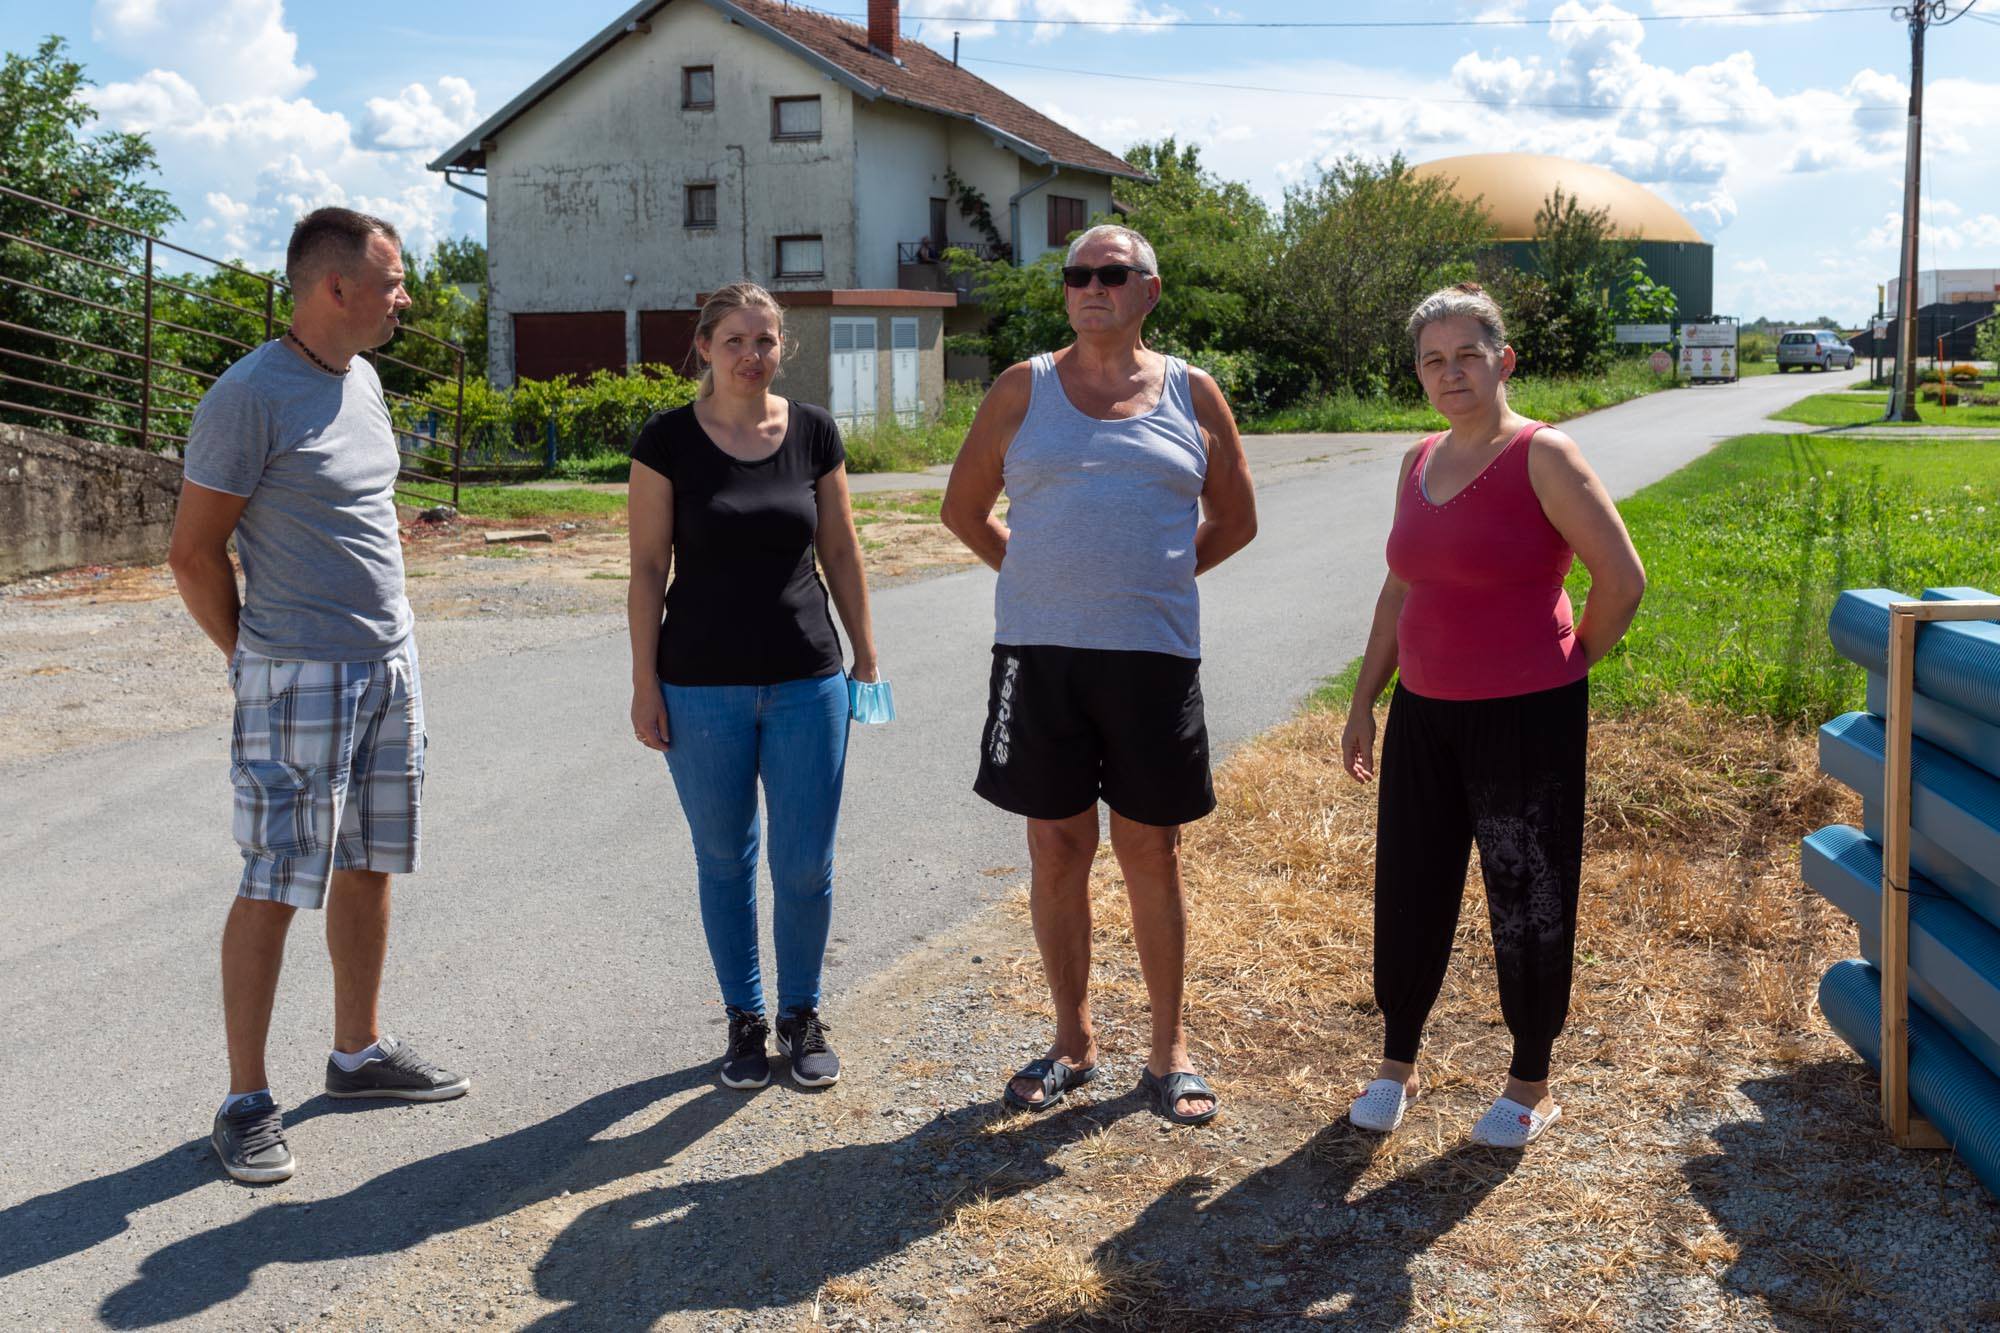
(90, 381)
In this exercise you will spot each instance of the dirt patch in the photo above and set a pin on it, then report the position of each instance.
(103, 654)
(1718, 1165)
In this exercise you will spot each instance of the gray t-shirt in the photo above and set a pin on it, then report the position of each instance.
(316, 455)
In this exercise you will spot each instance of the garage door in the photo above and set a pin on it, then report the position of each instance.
(546, 346)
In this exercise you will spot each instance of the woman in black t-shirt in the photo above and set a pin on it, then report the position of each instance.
(736, 492)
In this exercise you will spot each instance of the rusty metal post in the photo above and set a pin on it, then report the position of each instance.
(458, 431)
(270, 309)
(146, 362)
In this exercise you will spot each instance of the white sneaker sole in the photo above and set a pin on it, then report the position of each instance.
(745, 1083)
(785, 1049)
(443, 1094)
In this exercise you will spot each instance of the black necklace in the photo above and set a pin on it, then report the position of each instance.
(311, 355)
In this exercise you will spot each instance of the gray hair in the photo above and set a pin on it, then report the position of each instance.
(1468, 299)
(1140, 244)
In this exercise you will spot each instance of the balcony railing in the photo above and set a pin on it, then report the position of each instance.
(915, 274)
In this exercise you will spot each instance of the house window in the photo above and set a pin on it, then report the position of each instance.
(1066, 217)
(701, 205)
(698, 87)
(801, 257)
(795, 118)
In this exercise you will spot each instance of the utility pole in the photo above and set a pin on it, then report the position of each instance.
(1920, 16)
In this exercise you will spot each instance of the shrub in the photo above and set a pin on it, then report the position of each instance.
(1962, 371)
(1754, 347)
(597, 416)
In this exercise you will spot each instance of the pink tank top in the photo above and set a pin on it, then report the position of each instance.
(1486, 616)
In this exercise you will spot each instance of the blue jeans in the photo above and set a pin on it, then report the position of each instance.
(720, 740)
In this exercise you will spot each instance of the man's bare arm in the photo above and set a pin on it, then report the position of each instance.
(199, 558)
(979, 474)
(1228, 500)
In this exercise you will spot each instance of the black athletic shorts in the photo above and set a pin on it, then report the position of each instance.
(1065, 726)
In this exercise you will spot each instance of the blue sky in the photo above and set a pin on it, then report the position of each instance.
(1780, 137)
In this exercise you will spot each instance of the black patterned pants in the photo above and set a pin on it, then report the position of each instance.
(1508, 775)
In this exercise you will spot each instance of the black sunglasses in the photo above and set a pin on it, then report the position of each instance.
(1111, 275)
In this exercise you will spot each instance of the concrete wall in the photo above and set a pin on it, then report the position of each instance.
(1094, 190)
(66, 502)
(900, 157)
(988, 168)
(808, 346)
(591, 184)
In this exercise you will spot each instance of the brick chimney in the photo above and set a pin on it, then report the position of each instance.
(884, 17)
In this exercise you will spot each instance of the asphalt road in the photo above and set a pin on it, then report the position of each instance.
(551, 946)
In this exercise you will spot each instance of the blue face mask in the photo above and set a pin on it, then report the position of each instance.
(870, 702)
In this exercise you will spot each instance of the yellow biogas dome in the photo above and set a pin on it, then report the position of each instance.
(1513, 187)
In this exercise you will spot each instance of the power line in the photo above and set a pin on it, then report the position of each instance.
(1091, 74)
(1706, 16)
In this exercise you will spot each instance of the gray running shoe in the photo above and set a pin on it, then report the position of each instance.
(803, 1037)
(250, 1140)
(400, 1073)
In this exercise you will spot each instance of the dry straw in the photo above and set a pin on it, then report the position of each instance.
(1697, 956)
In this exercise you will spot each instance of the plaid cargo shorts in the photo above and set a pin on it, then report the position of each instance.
(327, 759)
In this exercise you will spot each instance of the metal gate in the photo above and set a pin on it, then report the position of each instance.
(851, 371)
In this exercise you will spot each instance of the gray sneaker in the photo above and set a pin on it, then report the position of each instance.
(803, 1037)
(250, 1140)
(400, 1073)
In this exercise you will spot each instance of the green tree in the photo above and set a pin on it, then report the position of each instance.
(48, 150)
(1559, 305)
(1646, 301)
(1987, 348)
(1356, 249)
(1212, 238)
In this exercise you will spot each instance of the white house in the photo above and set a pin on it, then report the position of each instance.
(695, 142)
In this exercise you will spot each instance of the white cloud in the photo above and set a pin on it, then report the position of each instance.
(1110, 12)
(262, 152)
(415, 119)
(228, 49)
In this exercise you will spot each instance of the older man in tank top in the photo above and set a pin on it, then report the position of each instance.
(1125, 479)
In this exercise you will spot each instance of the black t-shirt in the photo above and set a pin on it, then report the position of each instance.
(746, 606)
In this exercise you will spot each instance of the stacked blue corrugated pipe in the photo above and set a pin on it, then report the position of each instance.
(1954, 937)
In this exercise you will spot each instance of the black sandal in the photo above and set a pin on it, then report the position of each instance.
(1056, 1079)
(1165, 1093)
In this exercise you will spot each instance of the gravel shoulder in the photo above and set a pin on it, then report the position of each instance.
(94, 656)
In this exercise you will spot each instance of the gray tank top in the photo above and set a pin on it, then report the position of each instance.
(1103, 516)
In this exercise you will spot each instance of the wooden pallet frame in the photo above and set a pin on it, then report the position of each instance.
(1906, 1126)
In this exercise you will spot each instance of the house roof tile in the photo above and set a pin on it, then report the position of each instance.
(923, 78)
(920, 77)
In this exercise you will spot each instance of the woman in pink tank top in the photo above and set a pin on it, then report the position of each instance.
(1488, 725)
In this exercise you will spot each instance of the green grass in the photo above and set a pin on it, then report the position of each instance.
(520, 503)
(1336, 692)
(920, 504)
(1747, 548)
(889, 446)
(595, 467)
(1553, 398)
(1861, 409)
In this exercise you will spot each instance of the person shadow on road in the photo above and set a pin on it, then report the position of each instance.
(767, 1239)
(408, 1205)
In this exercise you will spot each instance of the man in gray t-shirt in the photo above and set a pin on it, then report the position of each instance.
(292, 452)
